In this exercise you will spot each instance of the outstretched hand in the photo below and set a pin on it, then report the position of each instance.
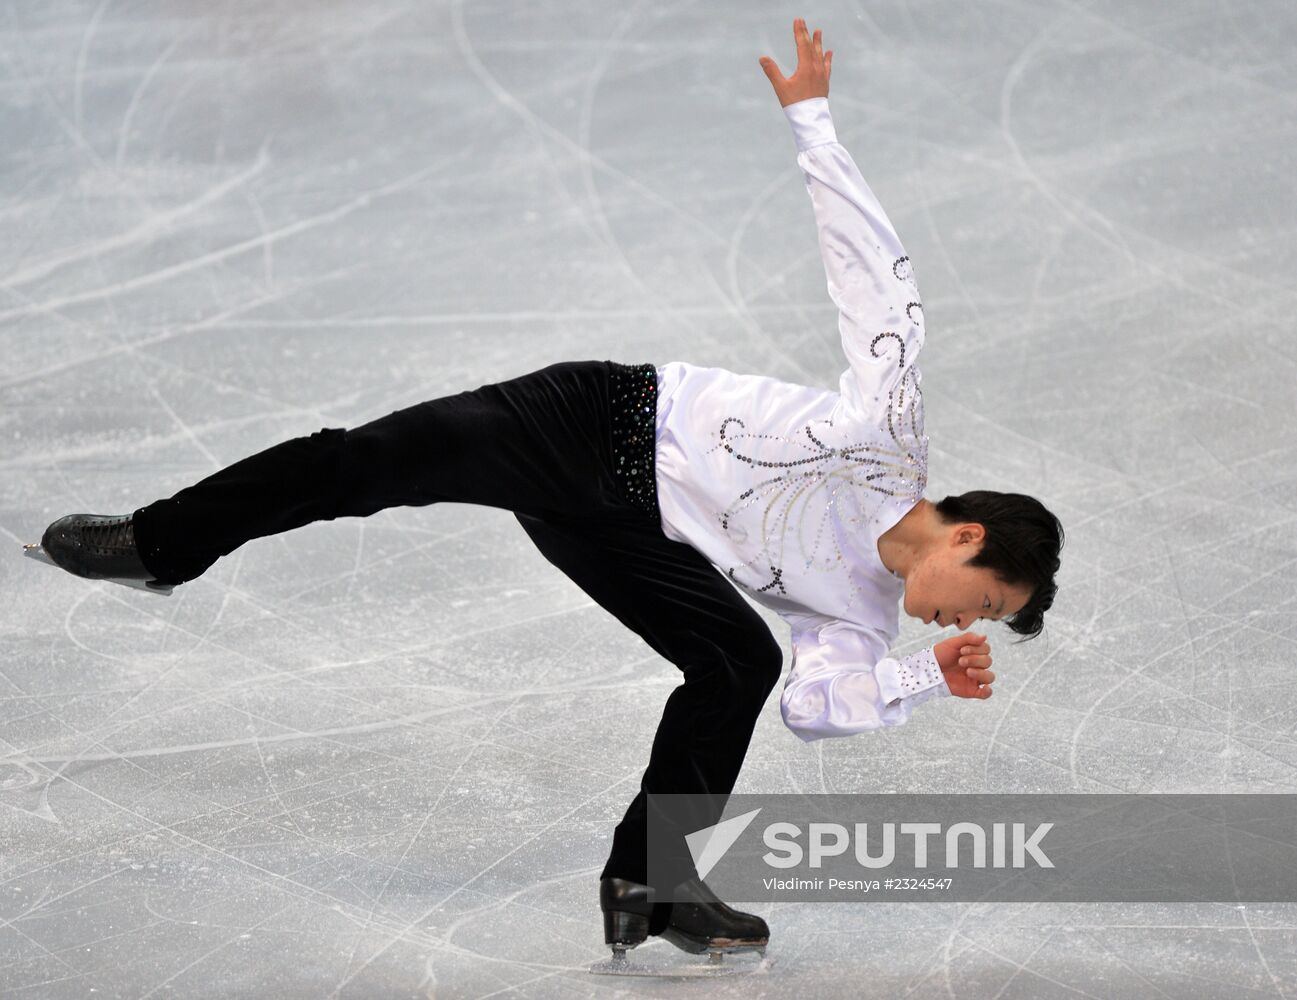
(964, 661)
(813, 68)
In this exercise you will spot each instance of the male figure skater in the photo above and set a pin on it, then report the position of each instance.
(659, 490)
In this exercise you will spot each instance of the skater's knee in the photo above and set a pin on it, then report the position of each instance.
(753, 664)
(767, 659)
(327, 445)
(334, 448)
(331, 440)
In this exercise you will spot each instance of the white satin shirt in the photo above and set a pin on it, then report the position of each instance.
(786, 488)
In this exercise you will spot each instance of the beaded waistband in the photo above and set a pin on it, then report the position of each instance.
(632, 397)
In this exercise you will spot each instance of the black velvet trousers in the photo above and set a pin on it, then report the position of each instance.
(538, 445)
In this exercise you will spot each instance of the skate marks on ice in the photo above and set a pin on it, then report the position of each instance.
(35, 551)
(675, 966)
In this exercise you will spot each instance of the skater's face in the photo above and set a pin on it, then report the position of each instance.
(942, 588)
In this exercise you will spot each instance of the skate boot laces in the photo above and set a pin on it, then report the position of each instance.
(109, 536)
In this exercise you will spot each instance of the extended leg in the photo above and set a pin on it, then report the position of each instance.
(535, 443)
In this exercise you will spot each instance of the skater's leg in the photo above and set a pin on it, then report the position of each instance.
(536, 443)
(285, 486)
(670, 595)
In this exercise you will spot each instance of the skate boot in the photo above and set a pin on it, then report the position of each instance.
(701, 922)
(627, 907)
(97, 547)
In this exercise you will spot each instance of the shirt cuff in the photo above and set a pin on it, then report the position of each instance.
(911, 675)
(812, 124)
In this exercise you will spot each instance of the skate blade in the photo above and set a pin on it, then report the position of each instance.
(707, 968)
(35, 551)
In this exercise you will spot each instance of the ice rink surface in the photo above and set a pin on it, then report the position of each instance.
(382, 758)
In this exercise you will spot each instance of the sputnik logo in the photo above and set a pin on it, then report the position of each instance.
(708, 845)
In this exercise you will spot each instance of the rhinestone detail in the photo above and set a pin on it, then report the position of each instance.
(855, 469)
(632, 398)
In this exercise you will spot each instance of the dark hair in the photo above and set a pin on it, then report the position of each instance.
(1021, 547)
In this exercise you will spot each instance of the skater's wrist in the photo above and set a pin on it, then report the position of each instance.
(811, 122)
(903, 679)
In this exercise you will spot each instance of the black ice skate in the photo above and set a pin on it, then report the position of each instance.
(97, 547)
(699, 922)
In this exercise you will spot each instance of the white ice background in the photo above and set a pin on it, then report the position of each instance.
(383, 757)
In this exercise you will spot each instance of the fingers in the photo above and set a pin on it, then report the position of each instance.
(810, 78)
(983, 679)
(772, 69)
(807, 45)
(976, 659)
(800, 34)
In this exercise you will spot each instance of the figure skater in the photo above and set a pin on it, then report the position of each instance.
(669, 492)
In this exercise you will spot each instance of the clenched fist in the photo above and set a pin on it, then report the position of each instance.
(964, 661)
(813, 69)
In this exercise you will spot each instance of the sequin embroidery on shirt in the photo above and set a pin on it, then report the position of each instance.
(894, 468)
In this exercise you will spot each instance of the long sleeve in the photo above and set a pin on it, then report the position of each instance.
(842, 681)
(870, 277)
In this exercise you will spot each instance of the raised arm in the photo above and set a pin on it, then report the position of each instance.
(870, 277)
